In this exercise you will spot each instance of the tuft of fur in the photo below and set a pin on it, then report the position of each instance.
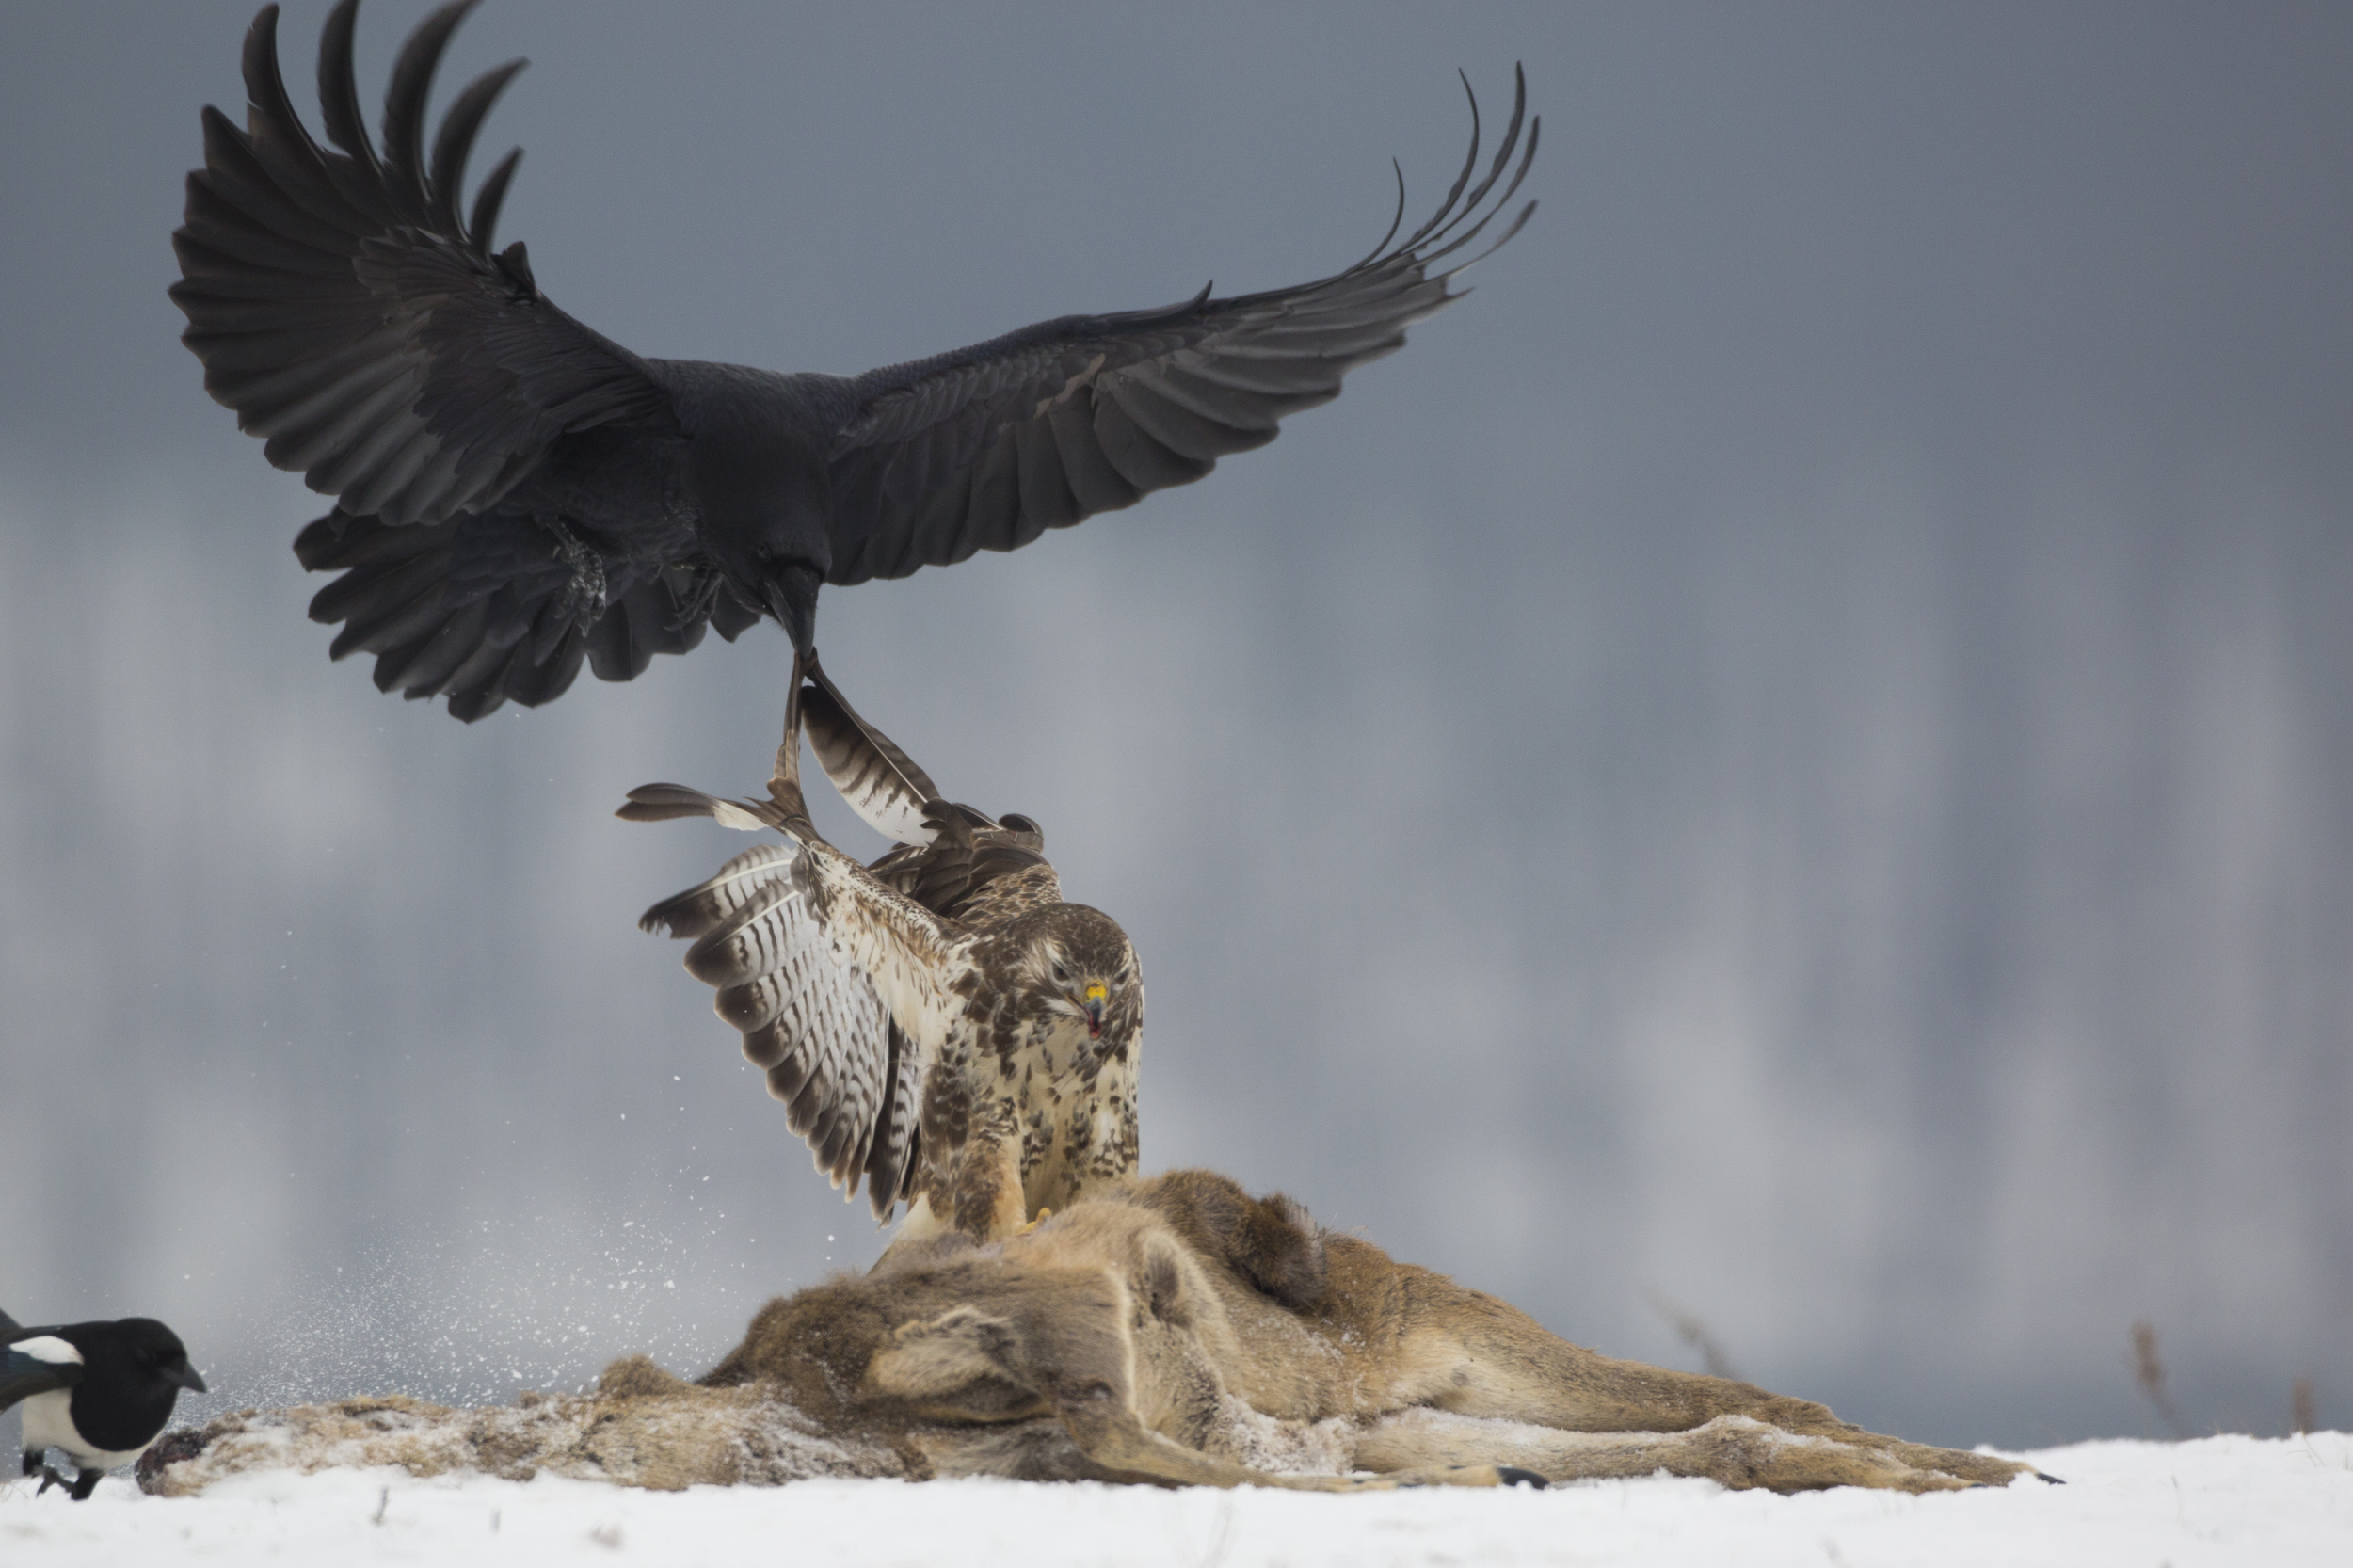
(1271, 1241)
(639, 1377)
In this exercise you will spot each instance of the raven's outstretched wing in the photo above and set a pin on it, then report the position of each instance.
(347, 314)
(990, 446)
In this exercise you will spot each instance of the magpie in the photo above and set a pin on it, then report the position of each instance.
(99, 1392)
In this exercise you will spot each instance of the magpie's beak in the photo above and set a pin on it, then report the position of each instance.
(183, 1374)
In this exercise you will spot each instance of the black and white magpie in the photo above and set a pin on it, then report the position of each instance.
(99, 1392)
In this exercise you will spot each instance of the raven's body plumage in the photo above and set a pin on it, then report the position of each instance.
(516, 494)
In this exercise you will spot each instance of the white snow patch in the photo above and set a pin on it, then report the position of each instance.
(2280, 1503)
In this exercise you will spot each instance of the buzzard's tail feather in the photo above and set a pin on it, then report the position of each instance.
(661, 802)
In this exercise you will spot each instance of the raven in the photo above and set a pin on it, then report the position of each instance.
(515, 492)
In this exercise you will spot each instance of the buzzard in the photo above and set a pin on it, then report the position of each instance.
(516, 493)
(939, 1024)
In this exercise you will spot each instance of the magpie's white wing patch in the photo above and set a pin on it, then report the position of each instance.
(48, 1348)
(39, 1365)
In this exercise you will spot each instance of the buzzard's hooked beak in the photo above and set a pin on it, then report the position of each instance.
(1095, 1012)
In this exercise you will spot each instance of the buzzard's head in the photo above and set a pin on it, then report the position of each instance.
(1081, 966)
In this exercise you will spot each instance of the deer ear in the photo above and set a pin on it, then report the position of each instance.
(639, 1377)
(943, 1355)
(1160, 1281)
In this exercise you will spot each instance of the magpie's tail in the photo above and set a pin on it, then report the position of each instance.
(7, 1327)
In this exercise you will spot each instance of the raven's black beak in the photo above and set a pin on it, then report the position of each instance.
(792, 597)
(183, 1374)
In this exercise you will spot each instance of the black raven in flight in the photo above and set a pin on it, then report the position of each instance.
(515, 492)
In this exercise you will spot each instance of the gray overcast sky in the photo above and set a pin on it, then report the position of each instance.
(1789, 757)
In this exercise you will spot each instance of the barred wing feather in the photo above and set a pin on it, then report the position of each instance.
(880, 783)
(845, 1071)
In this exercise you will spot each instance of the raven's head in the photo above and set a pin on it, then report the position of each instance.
(787, 588)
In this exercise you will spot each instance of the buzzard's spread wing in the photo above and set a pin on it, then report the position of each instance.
(348, 312)
(990, 446)
(847, 982)
(847, 1073)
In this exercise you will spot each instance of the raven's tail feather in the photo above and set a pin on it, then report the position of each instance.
(489, 609)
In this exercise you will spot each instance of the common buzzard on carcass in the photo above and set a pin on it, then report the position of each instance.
(940, 1024)
(515, 493)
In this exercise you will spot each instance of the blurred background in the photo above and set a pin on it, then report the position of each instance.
(1786, 764)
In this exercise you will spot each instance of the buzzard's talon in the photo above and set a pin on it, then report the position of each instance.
(584, 598)
(1043, 1215)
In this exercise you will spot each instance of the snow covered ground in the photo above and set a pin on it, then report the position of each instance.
(2273, 1501)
